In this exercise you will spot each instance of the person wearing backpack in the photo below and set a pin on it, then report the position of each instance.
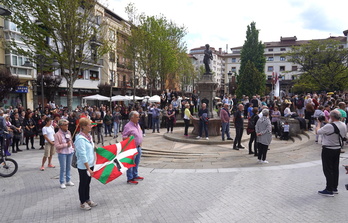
(333, 135)
(251, 131)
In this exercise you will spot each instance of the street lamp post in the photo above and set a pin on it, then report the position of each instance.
(229, 80)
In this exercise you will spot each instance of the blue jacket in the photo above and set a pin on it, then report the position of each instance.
(84, 152)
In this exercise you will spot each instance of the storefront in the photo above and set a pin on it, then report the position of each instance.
(16, 98)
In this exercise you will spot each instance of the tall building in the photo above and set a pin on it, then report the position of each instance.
(276, 61)
(26, 92)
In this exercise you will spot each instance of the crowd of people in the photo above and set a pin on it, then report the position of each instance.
(61, 131)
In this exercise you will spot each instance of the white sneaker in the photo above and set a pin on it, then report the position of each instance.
(207, 138)
(92, 204)
(69, 184)
(198, 137)
(62, 186)
(265, 161)
(85, 206)
(143, 135)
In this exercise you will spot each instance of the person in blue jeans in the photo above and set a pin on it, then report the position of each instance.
(116, 117)
(132, 128)
(155, 118)
(63, 144)
(203, 121)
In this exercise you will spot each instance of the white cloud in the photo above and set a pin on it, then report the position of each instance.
(222, 22)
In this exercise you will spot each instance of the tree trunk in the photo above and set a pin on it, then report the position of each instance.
(70, 91)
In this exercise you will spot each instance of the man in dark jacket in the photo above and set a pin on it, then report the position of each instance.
(238, 124)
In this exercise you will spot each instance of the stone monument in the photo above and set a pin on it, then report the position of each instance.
(206, 86)
(206, 90)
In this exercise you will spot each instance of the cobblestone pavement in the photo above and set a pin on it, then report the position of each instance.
(279, 192)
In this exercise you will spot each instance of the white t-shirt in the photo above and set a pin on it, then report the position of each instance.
(49, 132)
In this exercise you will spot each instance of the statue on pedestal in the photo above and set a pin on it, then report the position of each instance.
(208, 55)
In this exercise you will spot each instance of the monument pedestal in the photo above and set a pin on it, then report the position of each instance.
(206, 90)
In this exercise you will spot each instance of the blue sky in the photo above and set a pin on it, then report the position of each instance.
(224, 22)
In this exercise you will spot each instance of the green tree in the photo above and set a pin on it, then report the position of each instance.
(156, 48)
(324, 64)
(249, 82)
(252, 52)
(8, 83)
(65, 30)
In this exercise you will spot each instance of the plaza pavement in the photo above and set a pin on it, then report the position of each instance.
(223, 186)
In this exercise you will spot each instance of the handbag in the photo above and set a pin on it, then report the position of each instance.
(249, 131)
(74, 160)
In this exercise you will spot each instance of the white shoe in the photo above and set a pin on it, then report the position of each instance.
(143, 135)
(265, 161)
(207, 138)
(69, 184)
(92, 204)
(198, 137)
(85, 206)
(62, 186)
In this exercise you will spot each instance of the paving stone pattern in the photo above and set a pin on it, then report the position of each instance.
(278, 192)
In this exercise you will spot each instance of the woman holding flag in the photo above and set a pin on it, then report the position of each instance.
(85, 160)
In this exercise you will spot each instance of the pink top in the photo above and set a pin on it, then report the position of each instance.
(61, 140)
(327, 114)
(131, 129)
(224, 116)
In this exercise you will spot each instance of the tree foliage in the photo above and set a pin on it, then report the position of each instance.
(8, 82)
(252, 56)
(251, 82)
(156, 48)
(324, 64)
(65, 30)
(51, 85)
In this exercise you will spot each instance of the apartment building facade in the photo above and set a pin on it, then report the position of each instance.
(25, 94)
(276, 62)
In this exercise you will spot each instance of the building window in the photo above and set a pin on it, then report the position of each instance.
(14, 61)
(294, 68)
(282, 49)
(112, 56)
(234, 60)
(270, 68)
(233, 69)
(270, 50)
(112, 35)
(93, 75)
(80, 76)
(282, 58)
(282, 68)
(270, 59)
(269, 77)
